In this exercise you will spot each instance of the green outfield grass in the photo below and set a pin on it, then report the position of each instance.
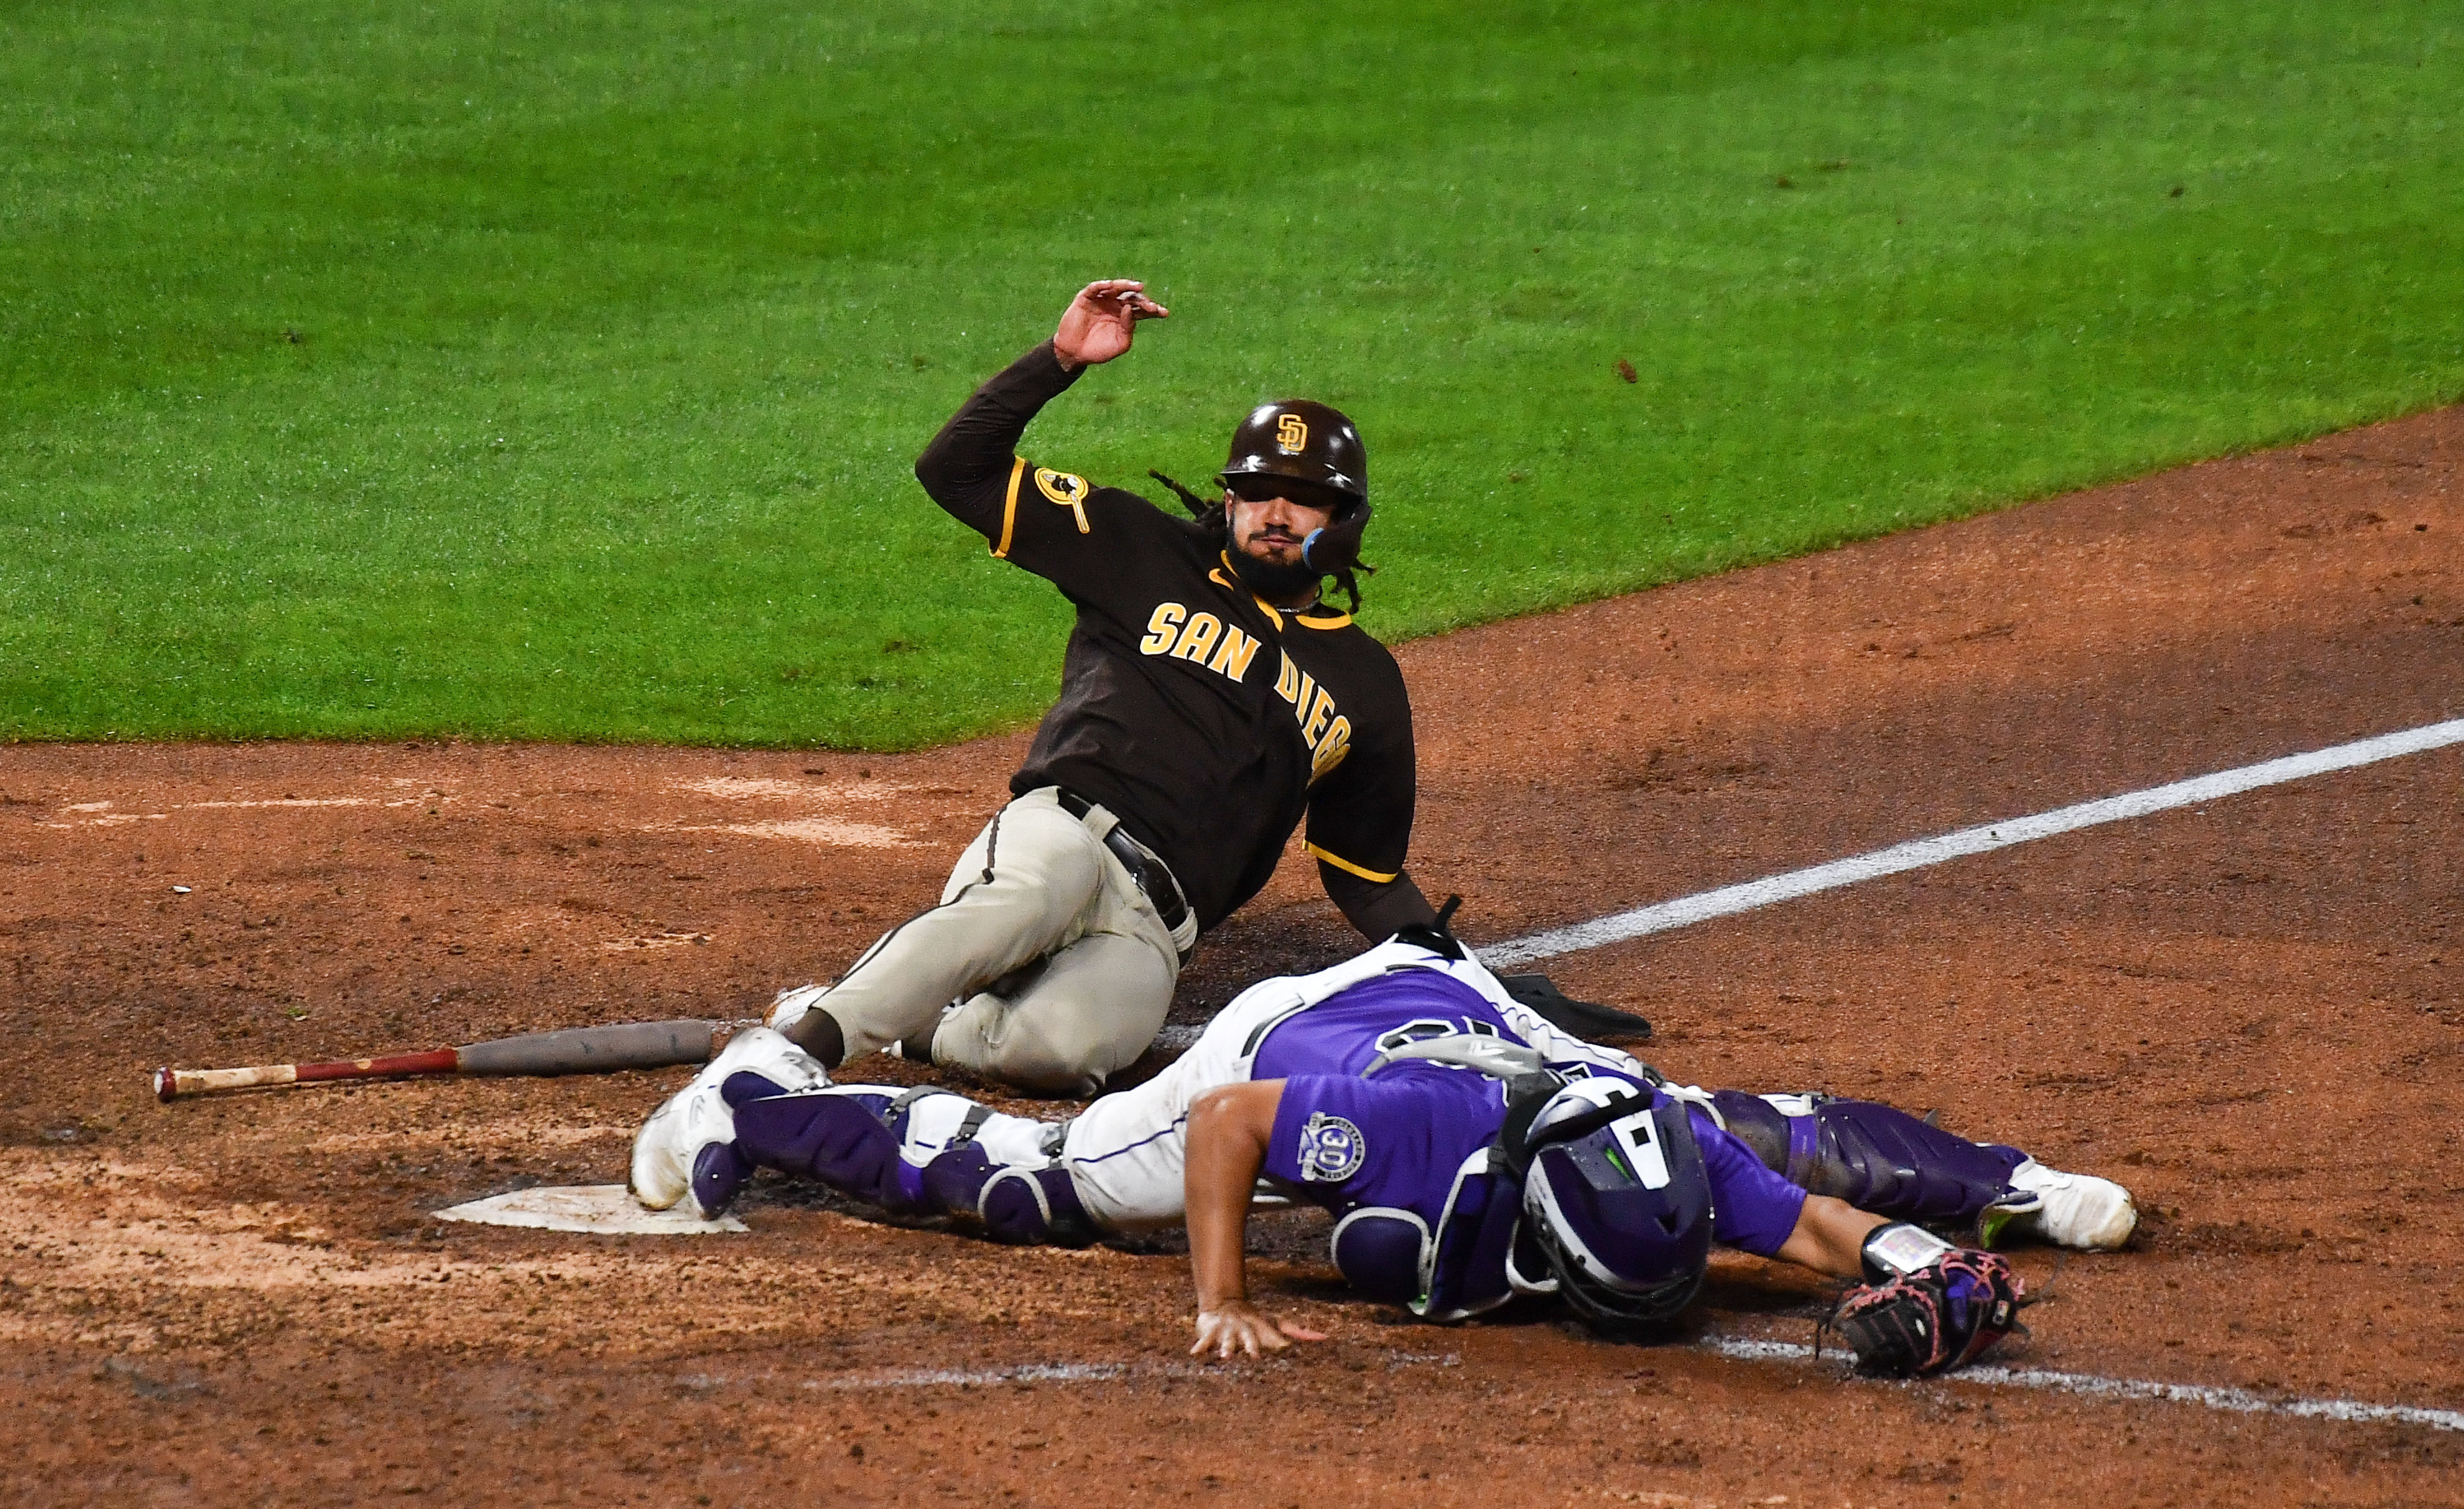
(518, 369)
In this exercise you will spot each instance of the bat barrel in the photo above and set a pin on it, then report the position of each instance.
(592, 1050)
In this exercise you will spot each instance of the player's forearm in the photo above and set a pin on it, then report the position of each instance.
(967, 467)
(1228, 1129)
(1377, 909)
(1830, 1237)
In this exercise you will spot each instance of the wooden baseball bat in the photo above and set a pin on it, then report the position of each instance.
(569, 1050)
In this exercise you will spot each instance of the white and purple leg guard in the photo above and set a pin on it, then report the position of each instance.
(924, 1150)
(1873, 1156)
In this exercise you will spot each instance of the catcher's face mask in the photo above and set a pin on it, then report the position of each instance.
(1617, 1201)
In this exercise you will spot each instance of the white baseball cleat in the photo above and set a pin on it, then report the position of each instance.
(686, 1151)
(2072, 1210)
(788, 1006)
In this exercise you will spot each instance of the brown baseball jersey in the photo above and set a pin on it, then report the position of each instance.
(1208, 720)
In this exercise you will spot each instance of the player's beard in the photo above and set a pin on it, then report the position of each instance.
(1271, 580)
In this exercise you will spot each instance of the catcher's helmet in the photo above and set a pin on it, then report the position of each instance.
(1295, 440)
(1616, 1200)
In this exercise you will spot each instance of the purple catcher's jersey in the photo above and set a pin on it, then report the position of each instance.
(1346, 1032)
(1402, 1140)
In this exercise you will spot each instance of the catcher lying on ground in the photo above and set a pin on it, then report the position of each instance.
(1469, 1152)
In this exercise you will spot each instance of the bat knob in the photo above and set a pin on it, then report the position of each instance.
(167, 1086)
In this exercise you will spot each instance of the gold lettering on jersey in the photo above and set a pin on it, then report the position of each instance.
(1295, 686)
(1321, 712)
(1163, 628)
(1291, 433)
(1287, 680)
(1232, 657)
(1199, 637)
(1330, 749)
(1326, 733)
(1067, 490)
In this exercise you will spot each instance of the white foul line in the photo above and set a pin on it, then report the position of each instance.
(2239, 1401)
(1730, 900)
(981, 1378)
(1075, 1372)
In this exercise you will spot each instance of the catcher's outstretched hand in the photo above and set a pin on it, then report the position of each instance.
(1100, 322)
(1237, 1327)
(1930, 1321)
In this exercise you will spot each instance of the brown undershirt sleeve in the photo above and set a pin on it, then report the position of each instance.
(1378, 909)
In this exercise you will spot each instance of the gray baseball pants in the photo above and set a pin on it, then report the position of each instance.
(1039, 909)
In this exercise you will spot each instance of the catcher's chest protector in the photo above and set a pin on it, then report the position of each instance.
(1451, 1274)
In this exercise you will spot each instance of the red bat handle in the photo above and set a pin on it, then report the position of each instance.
(436, 1060)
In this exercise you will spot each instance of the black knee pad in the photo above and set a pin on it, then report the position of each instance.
(1756, 1123)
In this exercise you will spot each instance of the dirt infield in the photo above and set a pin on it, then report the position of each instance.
(2249, 1012)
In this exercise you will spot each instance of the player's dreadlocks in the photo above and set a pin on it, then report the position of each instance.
(1211, 517)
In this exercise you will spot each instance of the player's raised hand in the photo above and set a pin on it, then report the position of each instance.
(1238, 1326)
(1100, 322)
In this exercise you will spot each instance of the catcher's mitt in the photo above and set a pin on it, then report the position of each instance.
(1932, 1318)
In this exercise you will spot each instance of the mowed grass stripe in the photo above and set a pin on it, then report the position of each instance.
(619, 327)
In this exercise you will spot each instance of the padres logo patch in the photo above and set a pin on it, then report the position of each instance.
(1291, 433)
(1061, 487)
(1332, 1150)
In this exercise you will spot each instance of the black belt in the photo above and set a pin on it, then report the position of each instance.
(1152, 875)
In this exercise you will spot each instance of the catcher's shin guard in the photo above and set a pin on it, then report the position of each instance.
(1035, 1206)
(838, 1136)
(913, 1151)
(1873, 1157)
(1031, 1203)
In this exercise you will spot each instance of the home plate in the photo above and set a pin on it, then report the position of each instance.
(601, 1210)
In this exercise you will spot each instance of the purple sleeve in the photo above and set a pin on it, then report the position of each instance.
(1753, 1209)
(1397, 1139)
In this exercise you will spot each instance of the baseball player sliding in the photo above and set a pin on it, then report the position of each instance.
(1210, 700)
(1469, 1152)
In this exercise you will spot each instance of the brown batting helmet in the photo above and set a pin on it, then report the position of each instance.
(1308, 442)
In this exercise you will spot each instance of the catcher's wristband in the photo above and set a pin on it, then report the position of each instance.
(1900, 1249)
